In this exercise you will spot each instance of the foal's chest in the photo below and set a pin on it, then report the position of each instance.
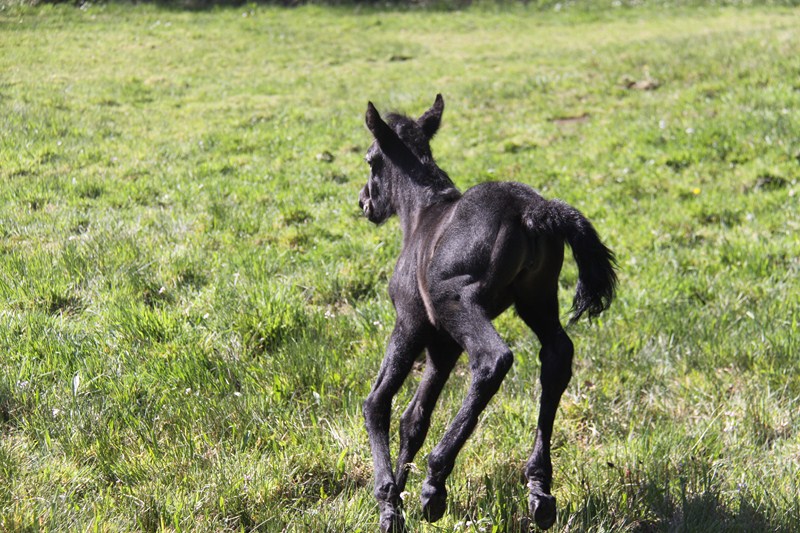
(403, 284)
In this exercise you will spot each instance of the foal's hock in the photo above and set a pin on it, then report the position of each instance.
(466, 258)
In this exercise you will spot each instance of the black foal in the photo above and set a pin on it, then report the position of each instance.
(466, 258)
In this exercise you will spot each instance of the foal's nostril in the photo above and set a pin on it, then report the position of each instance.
(363, 198)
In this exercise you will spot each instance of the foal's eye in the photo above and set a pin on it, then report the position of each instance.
(373, 161)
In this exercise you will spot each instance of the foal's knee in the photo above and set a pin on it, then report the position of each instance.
(502, 364)
(490, 372)
(412, 425)
(374, 409)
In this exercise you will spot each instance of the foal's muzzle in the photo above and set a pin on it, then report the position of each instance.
(365, 202)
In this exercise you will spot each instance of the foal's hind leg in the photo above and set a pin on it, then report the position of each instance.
(405, 344)
(442, 355)
(556, 358)
(490, 360)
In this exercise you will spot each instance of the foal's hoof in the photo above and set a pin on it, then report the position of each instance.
(434, 501)
(543, 509)
(392, 520)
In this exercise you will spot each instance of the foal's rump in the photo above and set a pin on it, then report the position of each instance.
(482, 246)
(494, 233)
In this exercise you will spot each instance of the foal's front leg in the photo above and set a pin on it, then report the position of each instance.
(490, 360)
(405, 344)
(442, 355)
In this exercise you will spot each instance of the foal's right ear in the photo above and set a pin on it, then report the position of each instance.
(432, 118)
(385, 136)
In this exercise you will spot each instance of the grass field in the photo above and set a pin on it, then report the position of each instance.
(192, 308)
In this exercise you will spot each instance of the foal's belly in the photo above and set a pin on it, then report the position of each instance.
(501, 302)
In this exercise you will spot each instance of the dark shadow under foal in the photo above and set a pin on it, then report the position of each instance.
(465, 259)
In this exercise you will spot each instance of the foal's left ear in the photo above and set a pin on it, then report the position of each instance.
(385, 136)
(432, 118)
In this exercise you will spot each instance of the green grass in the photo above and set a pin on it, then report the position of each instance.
(192, 308)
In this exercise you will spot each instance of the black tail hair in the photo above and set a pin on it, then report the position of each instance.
(597, 277)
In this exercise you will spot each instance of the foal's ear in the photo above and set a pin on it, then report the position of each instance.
(432, 118)
(385, 136)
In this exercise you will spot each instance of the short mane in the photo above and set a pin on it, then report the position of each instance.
(410, 132)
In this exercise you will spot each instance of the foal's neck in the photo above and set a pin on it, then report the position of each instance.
(427, 197)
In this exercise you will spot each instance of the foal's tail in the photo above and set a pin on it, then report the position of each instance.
(597, 279)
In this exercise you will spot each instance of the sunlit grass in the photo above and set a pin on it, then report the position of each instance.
(192, 309)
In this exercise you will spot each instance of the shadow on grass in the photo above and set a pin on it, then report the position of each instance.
(660, 510)
(647, 506)
(707, 512)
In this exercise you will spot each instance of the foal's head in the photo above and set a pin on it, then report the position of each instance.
(401, 152)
